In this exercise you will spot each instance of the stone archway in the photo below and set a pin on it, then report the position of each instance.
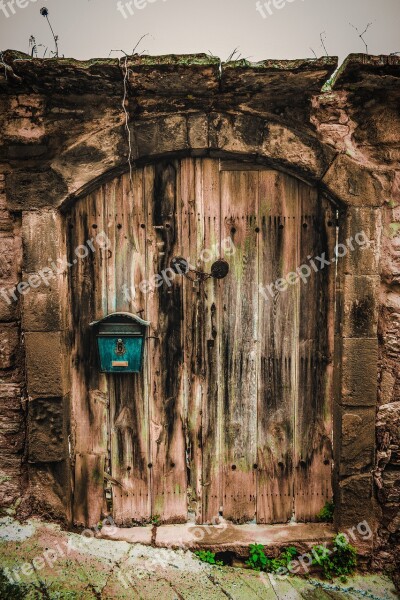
(42, 191)
(354, 410)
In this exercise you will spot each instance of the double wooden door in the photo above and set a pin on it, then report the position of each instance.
(231, 414)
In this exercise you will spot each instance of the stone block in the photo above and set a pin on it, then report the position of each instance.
(357, 440)
(41, 306)
(9, 345)
(391, 517)
(10, 485)
(46, 430)
(390, 244)
(9, 306)
(44, 366)
(7, 259)
(297, 150)
(12, 431)
(30, 189)
(360, 306)
(198, 131)
(388, 432)
(355, 501)
(50, 490)
(173, 75)
(353, 184)
(387, 387)
(364, 225)
(158, 136)
(10, 265)
(241, 134)
(42, 239)
(390, 491)
(390, 325)
(359, 372)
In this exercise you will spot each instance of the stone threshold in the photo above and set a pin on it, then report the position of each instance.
(225, 537)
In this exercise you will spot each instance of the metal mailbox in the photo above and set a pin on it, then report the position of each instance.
(120, 342)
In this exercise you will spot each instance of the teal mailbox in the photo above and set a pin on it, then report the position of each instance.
(120, 342)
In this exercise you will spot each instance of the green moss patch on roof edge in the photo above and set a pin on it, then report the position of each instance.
(301, 64)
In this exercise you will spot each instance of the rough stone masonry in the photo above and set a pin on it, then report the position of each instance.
(63, 131)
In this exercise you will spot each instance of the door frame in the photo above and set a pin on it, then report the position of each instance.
(45, 328)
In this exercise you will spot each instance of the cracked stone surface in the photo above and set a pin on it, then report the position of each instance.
(47, 562)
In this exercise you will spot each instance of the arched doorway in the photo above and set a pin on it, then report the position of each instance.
(231, 414)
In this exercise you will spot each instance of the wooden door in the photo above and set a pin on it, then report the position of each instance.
(231, 414)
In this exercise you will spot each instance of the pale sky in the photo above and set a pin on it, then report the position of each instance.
(91, 28)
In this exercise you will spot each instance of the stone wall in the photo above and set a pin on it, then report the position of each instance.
(63, 131)
(12, 386)
(363, 121)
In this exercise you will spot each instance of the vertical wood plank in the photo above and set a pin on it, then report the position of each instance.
(239, 346)
(209, 197)
(279, 316)
(167, 438)
(88, 397)
(128, 398)
(89, 494)
(193, 334)
(313, 452)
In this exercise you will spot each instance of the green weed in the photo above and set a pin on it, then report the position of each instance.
(208, 557)
(340, 562)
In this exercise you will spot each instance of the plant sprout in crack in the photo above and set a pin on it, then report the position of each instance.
(45, 13)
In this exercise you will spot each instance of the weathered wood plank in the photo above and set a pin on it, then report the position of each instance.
(111, 203)
(192, 335)
(131, 498)
(89, 484)
(212, 412)
(169, 481)
(239, 203)
(98, 227)
(279, 315)
(88, 398)
(128, 400)
(93, 272)
(313, 451)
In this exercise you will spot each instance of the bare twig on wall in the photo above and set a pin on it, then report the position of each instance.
(322, 38)
(313, 52)
(142, 38)
(128, 131)
(123, 61)
(361, 35)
